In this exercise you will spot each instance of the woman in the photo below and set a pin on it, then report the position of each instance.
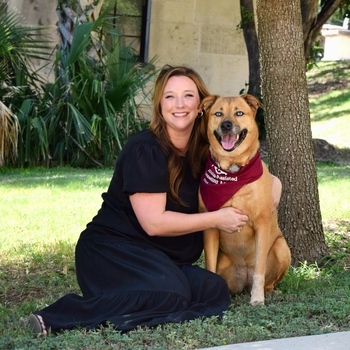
(134, 259)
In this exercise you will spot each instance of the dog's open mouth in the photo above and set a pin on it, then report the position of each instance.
(230, 141)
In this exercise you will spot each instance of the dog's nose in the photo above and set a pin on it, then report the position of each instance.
(226, 125)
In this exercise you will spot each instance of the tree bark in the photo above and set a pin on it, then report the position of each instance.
(251, 41)
(287, 118)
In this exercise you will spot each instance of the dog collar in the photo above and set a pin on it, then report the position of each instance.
(218, 186)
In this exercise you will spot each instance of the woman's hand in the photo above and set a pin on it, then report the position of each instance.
(232, 220)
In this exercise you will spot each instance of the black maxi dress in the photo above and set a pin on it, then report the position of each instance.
(128, 278)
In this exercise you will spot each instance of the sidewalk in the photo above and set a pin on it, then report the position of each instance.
(330, 341)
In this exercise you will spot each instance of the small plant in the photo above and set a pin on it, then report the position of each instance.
(298, 275)
(315, 54)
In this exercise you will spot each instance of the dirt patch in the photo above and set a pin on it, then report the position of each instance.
(332, 77)
(324, 152)
(317, 89)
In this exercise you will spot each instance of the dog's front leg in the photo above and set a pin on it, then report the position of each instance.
(211, 248)
(261, 250)
(257, 296)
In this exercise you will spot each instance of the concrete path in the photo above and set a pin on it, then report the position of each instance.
(330, 341)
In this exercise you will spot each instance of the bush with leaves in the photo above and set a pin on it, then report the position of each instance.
(86, 115)
(96, 97)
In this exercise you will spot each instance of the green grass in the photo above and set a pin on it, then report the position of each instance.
(329, 85)
(43, 194)
(43, 211)
(334, 191)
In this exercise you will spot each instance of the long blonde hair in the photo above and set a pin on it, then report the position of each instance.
(198, 142)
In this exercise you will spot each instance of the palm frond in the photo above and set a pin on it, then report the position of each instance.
(22, 44)
(8, 135)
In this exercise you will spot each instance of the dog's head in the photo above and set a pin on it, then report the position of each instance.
(232, 130)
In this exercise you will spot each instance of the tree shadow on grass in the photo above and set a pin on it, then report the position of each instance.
(322, 107)
(330, 69)
(56, 177)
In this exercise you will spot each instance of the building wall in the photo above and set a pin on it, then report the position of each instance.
(336, 43)
(36, 12)
(39, 13)
(201, 34)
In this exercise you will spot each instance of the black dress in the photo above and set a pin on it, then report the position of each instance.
(128, 278)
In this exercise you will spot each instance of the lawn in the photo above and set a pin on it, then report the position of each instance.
(43, 212)
(329, 85)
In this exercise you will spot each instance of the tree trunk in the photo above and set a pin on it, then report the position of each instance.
(287, 118)
(251, 41)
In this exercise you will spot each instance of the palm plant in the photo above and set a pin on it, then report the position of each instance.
(96, 97)
(85, 116)
(19, 83)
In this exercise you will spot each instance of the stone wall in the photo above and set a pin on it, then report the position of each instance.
(39, 13)
(336, 43)
(201, 34)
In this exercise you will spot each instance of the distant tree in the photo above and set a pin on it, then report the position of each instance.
(340, 14)
(315, 13)
(291, 157)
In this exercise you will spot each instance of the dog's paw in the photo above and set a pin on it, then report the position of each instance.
(257, 302)
(257, 295)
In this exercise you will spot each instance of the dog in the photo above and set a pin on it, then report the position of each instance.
(257, 257)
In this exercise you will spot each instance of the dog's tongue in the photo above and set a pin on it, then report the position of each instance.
(228, 141)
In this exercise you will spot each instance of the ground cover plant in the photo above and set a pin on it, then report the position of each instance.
(43, 211)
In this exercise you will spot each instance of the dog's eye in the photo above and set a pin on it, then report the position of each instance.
(218, 114)
(239, 113)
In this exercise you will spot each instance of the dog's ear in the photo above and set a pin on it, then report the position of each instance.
(207, 102)
(252, 101)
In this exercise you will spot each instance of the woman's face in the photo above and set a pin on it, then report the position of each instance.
(179, 105)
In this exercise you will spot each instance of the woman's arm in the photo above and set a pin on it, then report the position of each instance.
(156, 221)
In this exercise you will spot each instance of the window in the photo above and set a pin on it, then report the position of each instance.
(132, 22)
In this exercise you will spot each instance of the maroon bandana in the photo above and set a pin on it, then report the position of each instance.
(218, 186)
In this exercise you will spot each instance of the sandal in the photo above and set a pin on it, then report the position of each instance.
(37, 325)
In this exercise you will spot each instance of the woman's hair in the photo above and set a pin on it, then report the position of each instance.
(198, 142)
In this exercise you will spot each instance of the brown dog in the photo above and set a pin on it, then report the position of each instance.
(257, 257)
